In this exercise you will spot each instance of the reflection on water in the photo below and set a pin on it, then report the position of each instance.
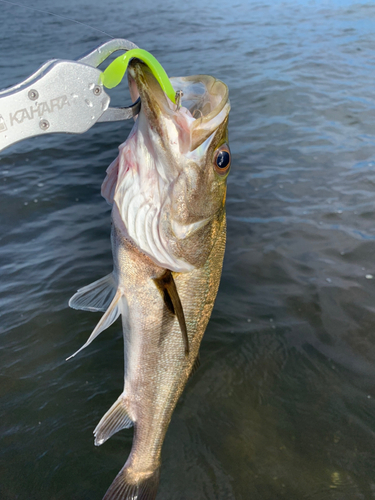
(283, 405)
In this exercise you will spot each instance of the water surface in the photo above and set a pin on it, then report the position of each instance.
(283, 406)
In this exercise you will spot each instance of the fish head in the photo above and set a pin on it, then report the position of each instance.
(180, 159)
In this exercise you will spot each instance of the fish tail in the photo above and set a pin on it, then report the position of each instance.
(125, 488)
(100, 295)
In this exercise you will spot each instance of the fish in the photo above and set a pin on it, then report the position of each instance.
(167, 188)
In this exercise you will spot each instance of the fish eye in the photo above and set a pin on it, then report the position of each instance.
(222, 159)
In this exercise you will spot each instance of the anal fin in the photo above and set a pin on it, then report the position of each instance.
(116, 419)
(167, 286)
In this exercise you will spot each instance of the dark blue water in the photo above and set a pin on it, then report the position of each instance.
(283, 406)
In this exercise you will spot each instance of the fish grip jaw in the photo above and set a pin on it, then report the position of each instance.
(63, 96)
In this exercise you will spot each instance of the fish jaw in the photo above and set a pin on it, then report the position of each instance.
(180, 129)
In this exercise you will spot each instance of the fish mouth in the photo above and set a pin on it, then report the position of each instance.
(203, 107)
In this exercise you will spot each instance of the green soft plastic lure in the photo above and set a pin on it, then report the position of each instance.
(115, 72)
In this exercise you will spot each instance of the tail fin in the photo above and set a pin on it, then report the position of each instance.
(116, 419)
(116, 307)
(124, 489)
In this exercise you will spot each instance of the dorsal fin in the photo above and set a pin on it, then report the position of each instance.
(167, 286)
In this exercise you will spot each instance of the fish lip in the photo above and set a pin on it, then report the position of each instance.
(143, 84)
(209, 109)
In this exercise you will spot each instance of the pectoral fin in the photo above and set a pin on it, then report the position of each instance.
(167, 287)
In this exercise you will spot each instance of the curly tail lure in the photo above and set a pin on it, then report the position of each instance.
(115, 72)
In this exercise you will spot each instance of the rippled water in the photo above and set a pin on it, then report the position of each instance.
(283, 406)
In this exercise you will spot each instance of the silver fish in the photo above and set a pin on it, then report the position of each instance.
(167, 188)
